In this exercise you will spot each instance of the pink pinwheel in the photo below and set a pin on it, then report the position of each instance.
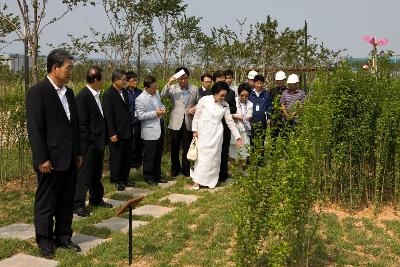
(372, 40)
(374, 53)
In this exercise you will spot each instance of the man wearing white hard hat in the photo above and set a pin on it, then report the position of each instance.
(275, 94)
(292, 100)
(250, 77)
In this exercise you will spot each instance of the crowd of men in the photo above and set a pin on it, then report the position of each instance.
(68, 134)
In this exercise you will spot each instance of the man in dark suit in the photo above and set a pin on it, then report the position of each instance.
(219, 75)
(133, 92)
(118, 119)
(53, 132)
(206, 81)
(92, 127)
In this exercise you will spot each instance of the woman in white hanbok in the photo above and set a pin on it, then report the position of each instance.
(242, 120)
(207, 127)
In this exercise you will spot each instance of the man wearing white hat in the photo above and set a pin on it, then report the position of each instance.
(292, 100)
(275, 94)
(250, 77)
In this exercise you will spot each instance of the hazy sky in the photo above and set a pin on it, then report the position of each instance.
(338, 23)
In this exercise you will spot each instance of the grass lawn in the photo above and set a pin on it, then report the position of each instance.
(202, 233)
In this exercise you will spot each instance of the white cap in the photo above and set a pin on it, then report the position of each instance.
(251, 74)
(293, 78)
(280, 75)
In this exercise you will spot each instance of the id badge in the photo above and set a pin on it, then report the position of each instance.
(257, 107)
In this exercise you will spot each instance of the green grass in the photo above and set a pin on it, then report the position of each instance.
(199, 234)
(357, 242)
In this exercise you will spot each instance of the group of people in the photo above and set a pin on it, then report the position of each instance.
(68, 134)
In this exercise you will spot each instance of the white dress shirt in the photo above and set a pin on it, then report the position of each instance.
(63, 98)
(96, 95)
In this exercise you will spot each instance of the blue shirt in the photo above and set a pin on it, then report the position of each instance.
(132, 95)
(262, 106)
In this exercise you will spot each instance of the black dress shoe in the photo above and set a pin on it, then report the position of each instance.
(102, 204)
(68, 245)
(120, 186)
(162, 181)
(129, 184)
(82, 212)
(47, 252)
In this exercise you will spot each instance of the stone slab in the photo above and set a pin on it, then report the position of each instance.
(152, 210)
(77, 218)
(19, 231)
(166, 185)
(119, 224)
(175, 198)
(22, 260)
(135, 192)
(86, 242)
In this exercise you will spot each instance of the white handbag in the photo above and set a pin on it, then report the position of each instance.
(192, 152)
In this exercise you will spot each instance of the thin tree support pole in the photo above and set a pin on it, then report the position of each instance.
(138, 59)
(130, 235)
(305, 55)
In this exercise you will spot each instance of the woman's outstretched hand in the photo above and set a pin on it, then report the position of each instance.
(195, 134)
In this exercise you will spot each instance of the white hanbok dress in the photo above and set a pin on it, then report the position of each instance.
(207, 122)
(246, 110)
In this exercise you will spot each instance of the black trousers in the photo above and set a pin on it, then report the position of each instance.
(137, 143)
(152, 155)
(178, 137)
(89, 178)
(120, 160)
(223, 171)
(54, 198)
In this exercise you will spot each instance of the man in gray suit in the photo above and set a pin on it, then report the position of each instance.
(184, 97)
(150, 111)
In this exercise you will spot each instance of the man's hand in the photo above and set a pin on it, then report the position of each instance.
(195, 134)
(79, 162)
(45, 167)
(192, 111)
(160, 112)
(171, 80)
(114, 138)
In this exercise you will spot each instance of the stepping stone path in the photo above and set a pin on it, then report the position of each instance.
(166, 185)
(86, 242)
(19, 231)
(119, 224)
(135, 192)
(27, 231)
(176, 198)
(22, 260)
(152, 210)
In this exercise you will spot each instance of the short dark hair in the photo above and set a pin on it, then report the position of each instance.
(182, 68)
(94, 74)
(206, 75)
(259, 77)
(117, 75)
(244, 87)
(148, 81)
(217, 74)
(131, 75)
(57, 57)
(228, 72)
(219, 86)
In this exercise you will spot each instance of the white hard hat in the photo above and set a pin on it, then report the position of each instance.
(251, 74)
(293, 78)
(280, 75)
